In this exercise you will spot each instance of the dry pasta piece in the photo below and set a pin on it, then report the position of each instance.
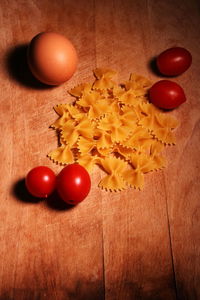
(103, 83)
(100, 72)
(104, 152)
(71, 109)
(103, 139)
(134, 178)
(80, 90)
(62, 155)
(85, 145)
(96, 105)
(104, 79)
(114, 167)
(68, 134)
(131, 98)
(159, 162)
(61, 121)
(148, 122)
(88, 161)
(71, 131)
(60, 109)
(156, 147)
(66, 112)
(165, 125)
(117, 92)
(138, 82)
(122, 151)
(85, 128)
(141, 161)
(167, 121)
(141, 164)
(164, 135)
(129, 118)
(160, 126)
(146, 109)
(74, 111)
(115, 127)
(140, 139)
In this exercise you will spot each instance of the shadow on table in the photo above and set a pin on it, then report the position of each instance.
(17, 66)
(55, 202)
(20, 192)
(152, 66)
(81, 291)
(84, 290)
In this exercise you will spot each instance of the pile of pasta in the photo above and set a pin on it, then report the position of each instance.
(114, 127)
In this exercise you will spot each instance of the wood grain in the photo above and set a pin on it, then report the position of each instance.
(127, 245)
(133, 221)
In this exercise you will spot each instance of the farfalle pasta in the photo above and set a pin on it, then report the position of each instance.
(113, 126)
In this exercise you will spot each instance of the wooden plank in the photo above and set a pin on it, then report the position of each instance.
(47, 250)
(179, 25)
(137, 252)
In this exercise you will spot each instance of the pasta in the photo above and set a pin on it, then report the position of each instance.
(113, 126)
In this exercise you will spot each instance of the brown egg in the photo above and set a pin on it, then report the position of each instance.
(52, 58)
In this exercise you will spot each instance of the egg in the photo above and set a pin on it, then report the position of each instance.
(52, 58)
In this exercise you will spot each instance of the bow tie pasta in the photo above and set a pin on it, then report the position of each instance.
(114, 127)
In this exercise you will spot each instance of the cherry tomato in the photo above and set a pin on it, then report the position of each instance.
(174, 61)
(73, 183)
(166, 94)
(40, 181)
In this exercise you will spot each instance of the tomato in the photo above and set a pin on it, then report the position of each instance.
(73, 183)
(166, 94)
(174, 61)
(40, 181)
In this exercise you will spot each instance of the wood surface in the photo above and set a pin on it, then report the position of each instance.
(127, 245)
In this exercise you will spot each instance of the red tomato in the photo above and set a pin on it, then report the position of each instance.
(73, 183)
(174, 61)
(40, 181)
(166, 94)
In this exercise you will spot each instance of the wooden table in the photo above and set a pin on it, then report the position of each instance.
(126, 245)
